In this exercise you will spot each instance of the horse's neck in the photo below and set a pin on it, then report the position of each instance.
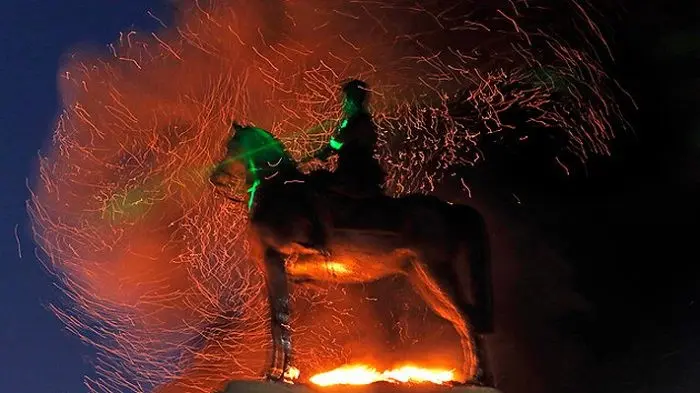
(282, 171)
(284, 168)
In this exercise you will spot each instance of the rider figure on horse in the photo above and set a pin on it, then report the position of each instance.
(358, 173)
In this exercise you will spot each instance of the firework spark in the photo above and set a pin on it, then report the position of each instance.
(155, 265)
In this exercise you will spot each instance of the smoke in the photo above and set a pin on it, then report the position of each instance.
(156, 265)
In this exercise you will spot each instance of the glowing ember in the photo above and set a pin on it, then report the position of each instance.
(361, 374)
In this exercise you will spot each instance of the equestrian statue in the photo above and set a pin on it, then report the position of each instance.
(340, 227)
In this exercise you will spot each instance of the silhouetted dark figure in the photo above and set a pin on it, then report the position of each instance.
(358, 173)
(442, 249)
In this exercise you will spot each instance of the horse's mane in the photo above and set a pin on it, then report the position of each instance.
(267, 146)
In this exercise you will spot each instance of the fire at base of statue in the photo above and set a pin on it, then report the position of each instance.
(376, 387)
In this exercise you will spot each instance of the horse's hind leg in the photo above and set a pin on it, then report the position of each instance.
(441, 299)
(476, 280)
(278, 297)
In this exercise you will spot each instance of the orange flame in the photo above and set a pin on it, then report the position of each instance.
(360, 374)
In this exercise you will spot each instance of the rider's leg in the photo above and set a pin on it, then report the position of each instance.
(317, 238)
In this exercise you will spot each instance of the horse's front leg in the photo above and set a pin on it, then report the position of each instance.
(278, 297)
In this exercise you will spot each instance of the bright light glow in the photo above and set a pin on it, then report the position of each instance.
(361, 374)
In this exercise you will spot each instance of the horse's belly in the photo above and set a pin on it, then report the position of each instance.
(356, 256)
(343, 267)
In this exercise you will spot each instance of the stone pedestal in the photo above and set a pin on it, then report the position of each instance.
(379, 387)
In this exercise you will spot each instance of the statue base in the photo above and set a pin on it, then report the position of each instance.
(377, 387)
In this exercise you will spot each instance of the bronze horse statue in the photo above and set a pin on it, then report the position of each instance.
(307, 232)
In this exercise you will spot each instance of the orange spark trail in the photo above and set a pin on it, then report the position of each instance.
(157, 271)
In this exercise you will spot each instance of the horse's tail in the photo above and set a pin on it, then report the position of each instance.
(477, 283)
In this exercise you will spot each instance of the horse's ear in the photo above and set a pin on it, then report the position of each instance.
(235, 128)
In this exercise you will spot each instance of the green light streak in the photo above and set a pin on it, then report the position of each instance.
(252, 191)
(132, 204)
(335, 144)
(256, 183)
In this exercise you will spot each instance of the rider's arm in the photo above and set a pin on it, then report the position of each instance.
(339, 137)
(334, 144)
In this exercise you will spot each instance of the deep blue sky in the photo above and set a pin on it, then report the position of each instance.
(642, 201)
(36, 353)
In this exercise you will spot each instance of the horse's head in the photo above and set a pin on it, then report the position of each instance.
(258, 154)
(261, 154)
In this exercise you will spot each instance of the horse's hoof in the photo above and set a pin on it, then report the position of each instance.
(471, 384)
(481, 381)
(269, 377)
(272, 378)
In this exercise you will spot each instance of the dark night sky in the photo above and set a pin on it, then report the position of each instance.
(36, 354)
(629, 228)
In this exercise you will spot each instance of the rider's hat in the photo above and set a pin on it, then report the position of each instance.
(356, 90)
